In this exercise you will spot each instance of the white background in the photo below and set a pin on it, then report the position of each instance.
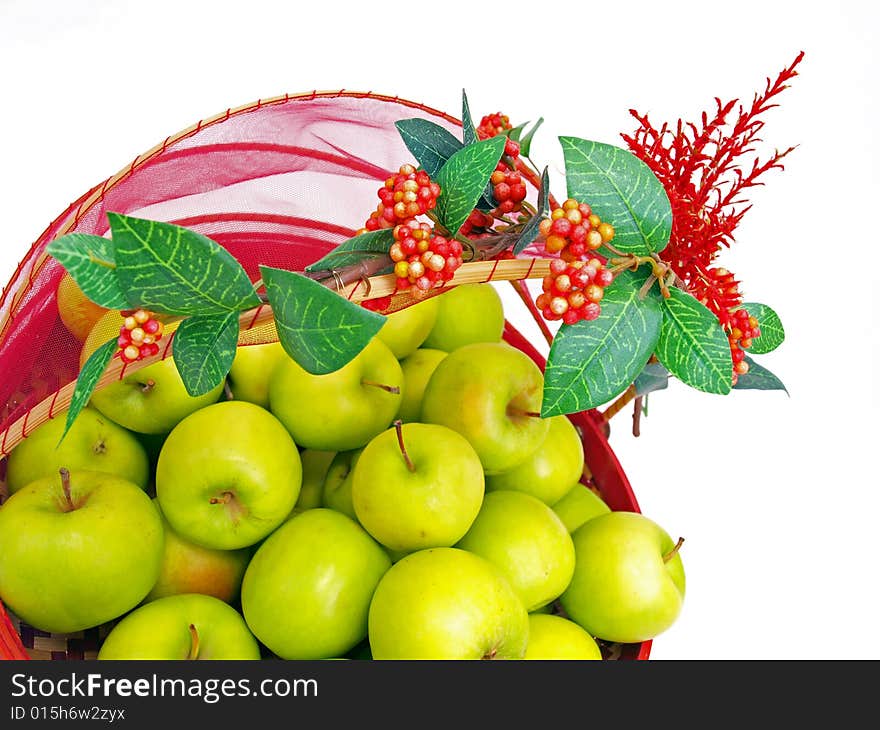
(776, 496)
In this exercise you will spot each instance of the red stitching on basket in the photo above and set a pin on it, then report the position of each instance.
(24, 423)
(52, 404)
(256, 316)
(3, 450)
(531, 266)
(168, 344)
(492, 273)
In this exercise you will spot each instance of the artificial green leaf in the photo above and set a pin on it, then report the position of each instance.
(88, 378)
(758, 378)
(171, 269)
(621, 190)
(317, 327)
(525, 144)
(530, 231)
(515, 133)
(693, 346)
(592, 362)
(204, 348)
(463, 178)
(469, 133)
(653, 377)
(91, 264)
(366, 245)
(772, 332)
(430, 144)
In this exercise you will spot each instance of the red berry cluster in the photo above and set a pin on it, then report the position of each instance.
(576, 282)
(743, 329)
(138, 335)
(493, 124)
(508, 188)
(422, 259)
(404, 196)
(573, 290)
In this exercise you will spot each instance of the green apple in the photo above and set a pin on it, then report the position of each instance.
(491, 394)
(417, 485)
(336, 493)
(315, 464)
(228, 475)
(467, 313)
(527, 542)
(186, 626)
(446, 603)
(77, 550)
(406, 329)
(555, 637)
(249, 375)
(628, 584)
(417, 370)
(551, 471)
(191, 568)
(307, 589)
(579, 505)
(343, 409)
(94, 442)
(150, 400)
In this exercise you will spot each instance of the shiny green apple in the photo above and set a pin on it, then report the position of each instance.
(551, 471)
(336, 493)
(418, 486)
(249, 375)
(467, 313)
(491, 394)
(527, 542)
(555, 637)
(186, 626)
(228, 475)
(579, 505)
(406, 329)
(191, 568)
(78, 550)
(446, 603)
(94, 442)
(308, 587)
(417, 370)
(628, 584)
(343, 409)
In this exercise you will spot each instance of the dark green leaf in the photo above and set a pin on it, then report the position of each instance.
(772, 332)
(367, 245)
(515, 133)
(171, 269)
(463, 178)
(525, 145)
(653, 377)
(469, 133)
(317, 327)
(693, 346)
(592, 362)
(91, 264)
(88, 378)
(530, 231)
(204, 348)
(430, 144)
(758, 378)
(622, 191)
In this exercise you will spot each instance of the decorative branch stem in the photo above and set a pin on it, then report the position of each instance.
(618, 405)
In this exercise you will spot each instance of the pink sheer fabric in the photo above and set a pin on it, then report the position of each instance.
(277, 183)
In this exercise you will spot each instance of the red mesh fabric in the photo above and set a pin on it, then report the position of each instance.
(279, 182)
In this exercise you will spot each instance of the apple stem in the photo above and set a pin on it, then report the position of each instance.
(672, 553)
(227, 391)
(194, 643)
(388, 388)
(225, 498)
(148, 386)
(65, 485)
(398, 425)
(514, 411)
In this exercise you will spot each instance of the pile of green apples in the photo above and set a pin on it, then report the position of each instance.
(411, 505)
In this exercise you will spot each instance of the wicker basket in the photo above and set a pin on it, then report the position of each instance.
(304, 169)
